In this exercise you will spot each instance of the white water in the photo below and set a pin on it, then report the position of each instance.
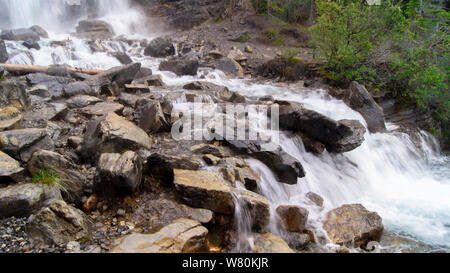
(407, 186)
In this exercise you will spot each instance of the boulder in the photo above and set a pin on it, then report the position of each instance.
(12, 121)
(3, 52)
(71, 181)
(180, 66)
(58, 224)
(350, 142)
(203, 189)
(215, 150)
(120, 75)
(40, 31)
(237, 55)
(182, 236)
(230, 67)
(358, 98)
(22, 143)
(122, 57)
(293, 218)
(10, 170)
(13, 93)
(101, 108)
(311, 145)
(46, 112)
(204, 86)
(21, 34)
(154, 214)
(94, 29)
(112, 134)
(160, 48)
(353, 226)
(269, 243)
(149, 116)
(81, 101)
(118, 174)
(54, 84)
(24, 199)
(78, 88)
(297, 241)
(31, 44)
(315, 198)
(155, 80)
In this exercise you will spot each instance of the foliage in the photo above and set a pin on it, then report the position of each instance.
(293, 11)
(46, 177)
(271, 36)
(289, 55)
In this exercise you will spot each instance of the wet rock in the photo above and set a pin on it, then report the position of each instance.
(119, 75)
(182, 236)
(230, 67)
(58, 224)
(21, 143)
(31, 44)
(94, 29)
(203, 148)
(24, 199)
(269, 243)
(39, 90)
(237, 55)
(162, 164)
(155, 214)
(20, 34)
(54, 84)
(180, 66)
(82, 101)
(205, 86)
(71, 181)
(128, 99)
(112, 134)
(3, 52)
(13, 93)
(100, 109)
(46, 112)
(149, 116)
(208, 190)
(155, 80)
(230, 96)
(293, 218)
(144, 72)
(358, 98)
(39, 31)
(211, 160)
(312, 145)
(78, 88)
(74, 141)
(315, 198)
(122, 57)
(10, 170)
(160, 47)
(118, 174)
(350, 142)
(13, 122)
(298, 241)
(353, 226)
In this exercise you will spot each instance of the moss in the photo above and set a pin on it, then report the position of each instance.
(219, 19)
(44, 176)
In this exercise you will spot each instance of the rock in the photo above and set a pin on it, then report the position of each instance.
(55, 84)
(13, 123)
(160, 48)
(71, 181)
(155, 80)
(162, 164)
(39, 31)
(293, 218)
(182, 236)
(269, 243)
(337, 136)
(298, 241)
(47, 112)
(2, 70)
(154, 214)
(353, 226)
(216, 54)
(39, 90)
(31, 44)
(248, 177)
(180, 66)
(101, 109)
(144, 72)
(21, 34)
(315, 198)
(208, 190)
(10, 170)
(90, 204)
(112, 134)
(230, 96)
(120, 75)
(21, 143)
(205, 86)
(214, 150)
(122, 57)
(81, 101)
(149, 116)
(58, 224)
(118, 174)
(311, 145)
(3, 52)
(230, 67)
(241, 37)
(237, 55)
(128, 99)
(13, 93)
(211, 160)
(358, 98)
(78, 88)
(24, 199)
(94, 29)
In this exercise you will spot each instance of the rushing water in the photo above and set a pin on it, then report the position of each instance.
(408, 186)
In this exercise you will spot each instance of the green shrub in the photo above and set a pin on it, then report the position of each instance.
(46, 177)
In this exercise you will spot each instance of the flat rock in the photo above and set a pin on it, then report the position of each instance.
(149, 116)
(13, 123)
(230, 67)
(13, 93)
(270, 243)
(82, 101)
(102, 108)
(10, 170)
(293, 218)
(181, 66)
(21, 143)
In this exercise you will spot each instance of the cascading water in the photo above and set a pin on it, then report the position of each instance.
(409, 187)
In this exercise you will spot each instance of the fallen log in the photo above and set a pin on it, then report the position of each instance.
(27, 69)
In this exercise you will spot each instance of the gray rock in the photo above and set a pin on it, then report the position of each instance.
(10, 170)
(230, 67)
(315, 198)
(94, 29)
(13, 123)
(101, 109)
(120, 75)
(3, 53)
(81, 101)
(20, 34)
(54, 84)
(78, 88)
(40, 31)
(149, 116)
(358, 98)
(13, 92)
(21, 143)
(31, 44)
(181, 66)
(160, 47)
(351, 141)
(293, 218)
(122, 57)
(118, 174)
(47, 112)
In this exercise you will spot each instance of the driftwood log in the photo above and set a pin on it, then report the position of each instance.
(27, 69)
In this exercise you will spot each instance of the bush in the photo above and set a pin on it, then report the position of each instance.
(46, 177)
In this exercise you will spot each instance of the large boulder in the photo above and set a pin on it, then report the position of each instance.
(269, 243)
(118, 174)
(78, 88)
(160, 47)
(82, 101)
(22, 143)
(353, 226)
(162, 164)
(40, 31)
(230, 67)
(358, 98)
(149, 116)
(13, 93)
(71, 181)
(122, 57)
(21, 34)
(112, 134)
(24, 199)
(58, 224)
(94, 29)
(3, 52)
(100, 109)
(181, 66)
(203, 189)
(293, 218)
(182, 236)
(10, 170)
(120, 75)
(54, 84)
(46, 112)
(350, 142)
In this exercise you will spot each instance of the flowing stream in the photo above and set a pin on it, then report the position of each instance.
(408, 186)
